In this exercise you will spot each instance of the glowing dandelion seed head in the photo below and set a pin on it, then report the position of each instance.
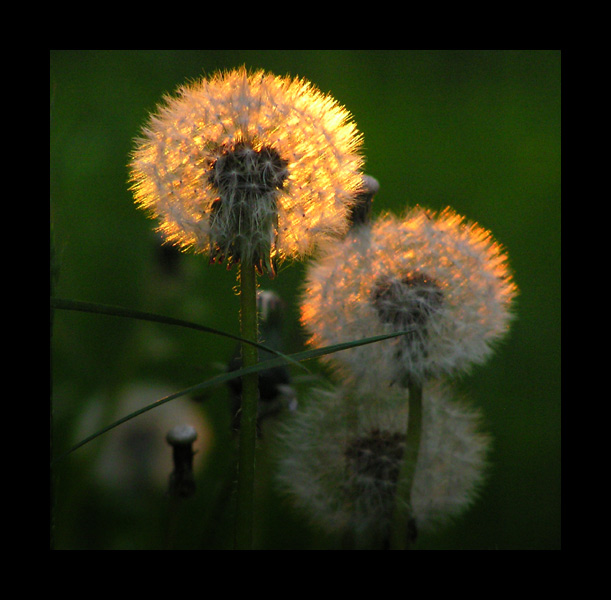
(248, 166)
(439, 278)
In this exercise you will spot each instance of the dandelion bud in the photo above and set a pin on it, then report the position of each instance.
(248, 167)
(442, 280)
(182, 481)
(361, 211)
(342, 452)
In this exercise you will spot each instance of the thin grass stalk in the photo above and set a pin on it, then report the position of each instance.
(119, 311)
(223, 378)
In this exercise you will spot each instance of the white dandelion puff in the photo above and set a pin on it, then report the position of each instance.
(440, 278)
(341, 456)
(248, 166)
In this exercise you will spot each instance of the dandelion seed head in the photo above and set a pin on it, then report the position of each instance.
(439, 277)
(341, 454)
(248, 165)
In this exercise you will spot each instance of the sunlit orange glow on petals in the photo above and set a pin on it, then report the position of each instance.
(268, 161)
(441, 278)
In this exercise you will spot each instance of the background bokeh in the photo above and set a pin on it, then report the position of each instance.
(477, 130)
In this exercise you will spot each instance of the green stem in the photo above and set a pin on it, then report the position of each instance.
(248, 417)
(403, 528)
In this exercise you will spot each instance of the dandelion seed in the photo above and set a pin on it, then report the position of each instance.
(341, 456)
(248, 166)
(440, 278)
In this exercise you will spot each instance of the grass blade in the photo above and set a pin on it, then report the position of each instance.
(119, 311)
(224, 377)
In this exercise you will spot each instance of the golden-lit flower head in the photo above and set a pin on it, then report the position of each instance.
(248, 166)
(438, 277)
(341, 454)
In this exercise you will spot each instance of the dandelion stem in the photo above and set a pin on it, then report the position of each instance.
(248, 418)
(403, 527)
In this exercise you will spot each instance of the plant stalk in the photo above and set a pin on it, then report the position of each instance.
(248, 417)
(403, 526)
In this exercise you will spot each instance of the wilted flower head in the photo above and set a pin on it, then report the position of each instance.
(248, 166)
(440, 278)
(341, 457)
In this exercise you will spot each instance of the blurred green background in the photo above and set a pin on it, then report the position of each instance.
(476, 130)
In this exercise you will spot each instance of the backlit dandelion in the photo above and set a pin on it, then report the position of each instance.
(440, 278)
(248, 167)
(341, 458)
